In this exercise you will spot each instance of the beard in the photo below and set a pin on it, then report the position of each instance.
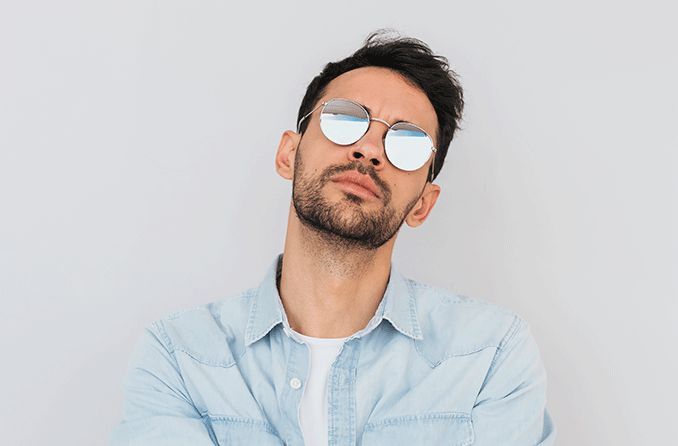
(346, 223)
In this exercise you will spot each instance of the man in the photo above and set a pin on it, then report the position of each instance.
(335, 346)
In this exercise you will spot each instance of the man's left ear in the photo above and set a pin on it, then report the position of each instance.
(424, 205)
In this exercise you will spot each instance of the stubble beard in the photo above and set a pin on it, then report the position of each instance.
(346, 223)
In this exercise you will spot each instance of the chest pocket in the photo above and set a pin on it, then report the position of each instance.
(441, 428)
(236, 431)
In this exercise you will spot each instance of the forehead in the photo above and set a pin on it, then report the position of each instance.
(386, 94)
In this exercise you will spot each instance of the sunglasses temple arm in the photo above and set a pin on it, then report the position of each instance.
(433, 164)
(307, 115)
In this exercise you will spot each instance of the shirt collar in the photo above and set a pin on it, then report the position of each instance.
(398, 306)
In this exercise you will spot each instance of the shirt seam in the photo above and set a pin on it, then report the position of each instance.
(169, 346)
(514, 329)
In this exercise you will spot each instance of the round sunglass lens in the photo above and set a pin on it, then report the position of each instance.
(343, 122)
(407, 146)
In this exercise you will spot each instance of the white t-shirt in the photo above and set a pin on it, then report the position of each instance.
(313, 407)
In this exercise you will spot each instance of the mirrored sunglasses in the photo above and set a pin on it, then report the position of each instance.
(344, 122)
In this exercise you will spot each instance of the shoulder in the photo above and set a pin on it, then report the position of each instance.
(210, 333)
(453, 324)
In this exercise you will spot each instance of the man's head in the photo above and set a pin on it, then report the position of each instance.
(417, 64)
(395, 80)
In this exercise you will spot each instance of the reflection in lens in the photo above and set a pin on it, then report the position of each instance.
(407, 146)
(343, 122)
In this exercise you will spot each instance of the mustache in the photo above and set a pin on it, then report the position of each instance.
(360, 167)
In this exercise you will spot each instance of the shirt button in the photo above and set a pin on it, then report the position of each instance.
(295, 383)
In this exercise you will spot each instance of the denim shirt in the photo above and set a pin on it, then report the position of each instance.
(430, 368)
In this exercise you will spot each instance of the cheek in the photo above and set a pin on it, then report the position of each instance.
(406, 189)
(321, 154)
(406, 183)
(316, 157)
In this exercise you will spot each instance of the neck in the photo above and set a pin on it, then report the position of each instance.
(330, 288)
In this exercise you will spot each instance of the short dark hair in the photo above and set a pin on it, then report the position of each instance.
(415, 61)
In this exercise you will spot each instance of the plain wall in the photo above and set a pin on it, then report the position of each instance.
(137, 144)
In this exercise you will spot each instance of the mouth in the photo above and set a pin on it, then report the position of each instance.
(358, 184)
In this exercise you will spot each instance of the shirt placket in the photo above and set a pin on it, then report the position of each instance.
(341, 396)
(298, 363)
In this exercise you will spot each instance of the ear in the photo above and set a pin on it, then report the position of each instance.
(287, 150)
(424, 205)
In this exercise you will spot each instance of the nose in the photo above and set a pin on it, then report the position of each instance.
(369, 149)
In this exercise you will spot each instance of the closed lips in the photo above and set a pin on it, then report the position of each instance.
(360, 180)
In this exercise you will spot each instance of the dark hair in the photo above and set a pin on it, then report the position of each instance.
(415, 61)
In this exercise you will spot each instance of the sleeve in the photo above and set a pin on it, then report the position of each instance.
(157, 407)
(511, 404)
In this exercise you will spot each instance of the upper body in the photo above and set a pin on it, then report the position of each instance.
(372, 134)
(430, 367)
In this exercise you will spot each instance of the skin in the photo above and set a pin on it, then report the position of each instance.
(338, 246)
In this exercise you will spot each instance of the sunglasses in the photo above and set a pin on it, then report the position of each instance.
(344, 122)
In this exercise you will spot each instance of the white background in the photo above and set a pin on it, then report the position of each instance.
(137, 144)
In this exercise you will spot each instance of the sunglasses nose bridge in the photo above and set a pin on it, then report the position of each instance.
(382, 121)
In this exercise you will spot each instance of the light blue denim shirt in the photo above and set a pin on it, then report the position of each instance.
(430, 368)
